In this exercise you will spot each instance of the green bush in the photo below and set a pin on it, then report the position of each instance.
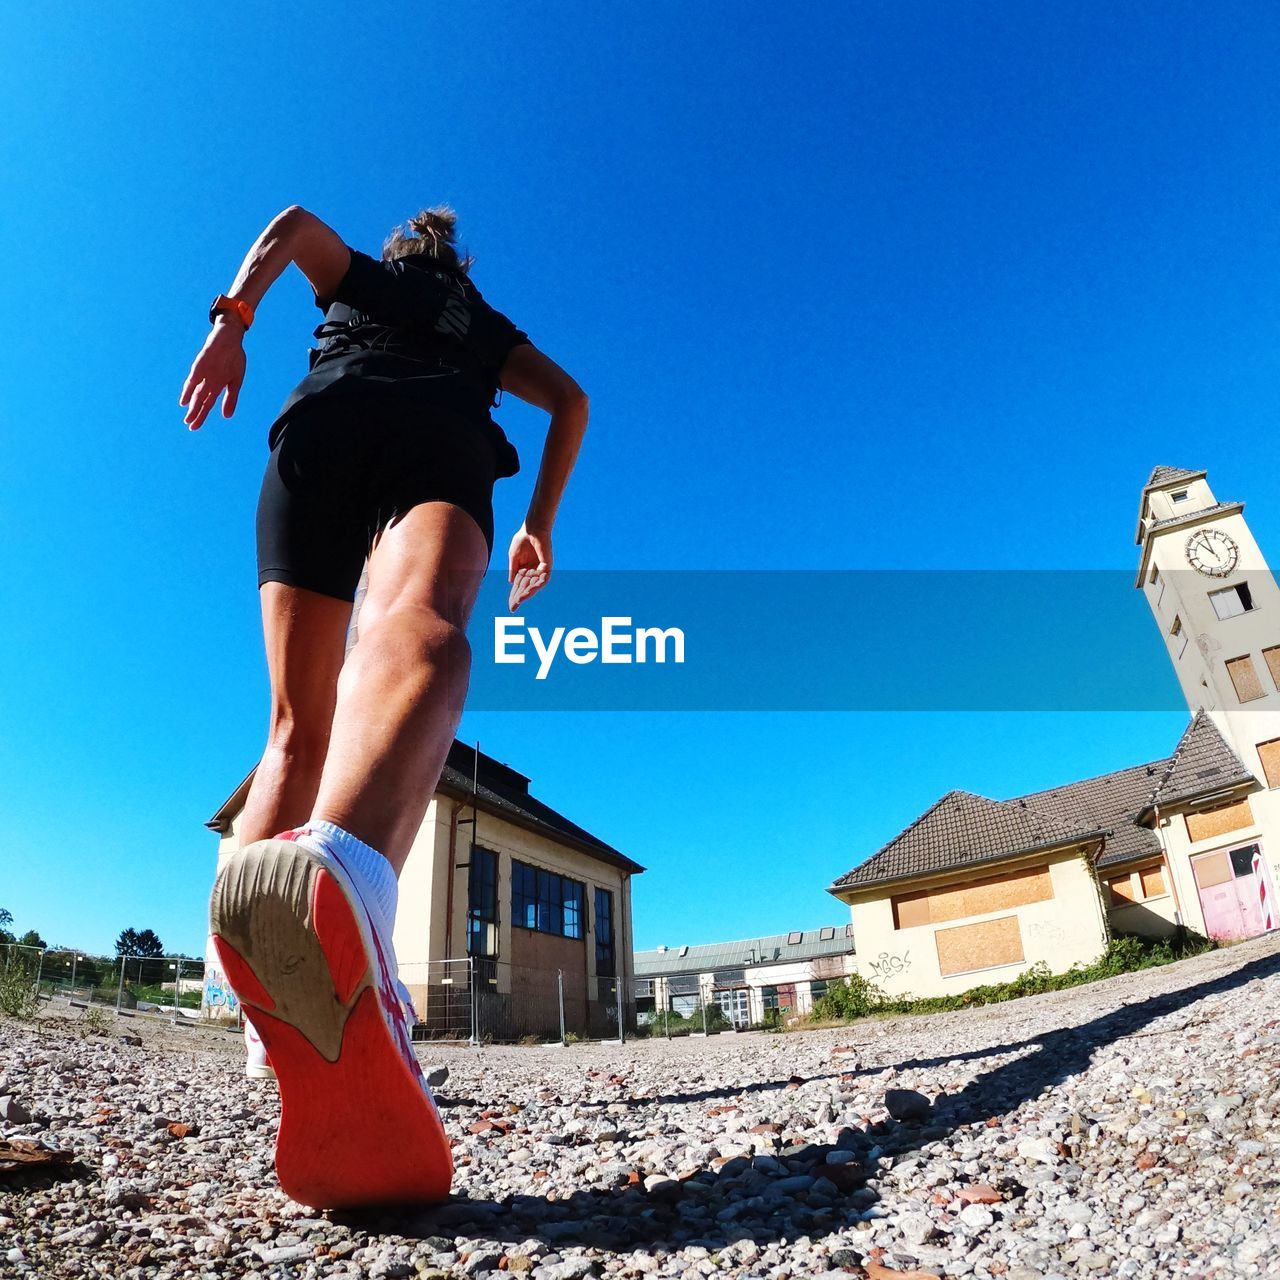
(17, 990)
(858, 997)
(855, 997)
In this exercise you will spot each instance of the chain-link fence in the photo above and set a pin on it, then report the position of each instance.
(493, 1001)
(143, 984)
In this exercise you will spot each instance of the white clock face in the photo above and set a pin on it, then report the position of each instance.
(1212, 552)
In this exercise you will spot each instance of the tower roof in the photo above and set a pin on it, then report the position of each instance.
(1162, 476)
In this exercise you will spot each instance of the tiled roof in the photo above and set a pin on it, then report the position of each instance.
(804, 944)
(502, 791)
(1162, 476)
(1202, 763)
(963, 830)
(1112, 801)
(1189, 517)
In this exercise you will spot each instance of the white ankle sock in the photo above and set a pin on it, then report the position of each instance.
(372, 872)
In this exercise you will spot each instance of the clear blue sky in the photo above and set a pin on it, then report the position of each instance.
(924, 286)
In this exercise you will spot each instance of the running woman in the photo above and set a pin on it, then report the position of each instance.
(385, 452)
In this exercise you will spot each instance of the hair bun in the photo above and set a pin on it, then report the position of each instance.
(435, 222)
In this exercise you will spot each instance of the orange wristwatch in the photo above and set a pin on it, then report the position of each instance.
(237, 307)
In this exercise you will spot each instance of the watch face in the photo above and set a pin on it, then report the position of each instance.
(1212, 552)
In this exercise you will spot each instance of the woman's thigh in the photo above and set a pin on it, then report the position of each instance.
(432, 557)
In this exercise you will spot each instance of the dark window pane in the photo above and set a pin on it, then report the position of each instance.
(1242, 860)
(482, 903)
(606, 963)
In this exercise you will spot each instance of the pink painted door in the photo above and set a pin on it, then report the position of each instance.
(1230, 884)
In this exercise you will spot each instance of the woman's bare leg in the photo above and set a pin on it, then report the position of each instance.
(304, 633)
(402, 687)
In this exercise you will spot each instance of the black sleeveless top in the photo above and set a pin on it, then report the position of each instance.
(408, 330)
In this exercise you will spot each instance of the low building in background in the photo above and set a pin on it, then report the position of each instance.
(507, 911)
(976, 890)
(753, 983)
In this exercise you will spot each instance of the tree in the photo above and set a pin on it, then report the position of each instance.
(31, 939)
(6, 919)
(134, 942)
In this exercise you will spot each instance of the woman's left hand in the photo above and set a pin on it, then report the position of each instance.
(218, 368)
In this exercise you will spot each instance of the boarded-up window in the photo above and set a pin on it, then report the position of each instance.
(1269, 754)
(1122, 890)
(1152, 879)
(1217, 822)
(1245, 678)
(976, 898)
(984, 945)
(1272, 658)
(1213, 868)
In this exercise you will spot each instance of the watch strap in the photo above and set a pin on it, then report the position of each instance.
(237, 307)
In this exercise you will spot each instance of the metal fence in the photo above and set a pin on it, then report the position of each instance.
(146, 984)
(484, 1001)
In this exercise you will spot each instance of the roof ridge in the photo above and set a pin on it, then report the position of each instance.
(1096, 777)
(1202, 721)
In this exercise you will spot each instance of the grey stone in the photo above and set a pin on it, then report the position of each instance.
(907, 1104)
(12, 1111)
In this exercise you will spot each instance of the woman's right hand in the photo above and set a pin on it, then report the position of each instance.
(529, 564)
(219, 367)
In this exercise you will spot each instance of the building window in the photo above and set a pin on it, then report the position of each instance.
(1245, 678)
(606, 955)
(1269, 755)
(545, 901)
(1272, 658)
(1231, 602)
(1176, 638)
(1179, 496)
(1136, 886)
(482, 903)
(817, 990)
(1155, 576)
(769, 1000)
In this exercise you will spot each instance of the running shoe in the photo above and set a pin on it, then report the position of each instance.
(317, 979)
(256, 1066)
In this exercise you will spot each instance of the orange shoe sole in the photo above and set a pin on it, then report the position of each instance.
(356, 1127)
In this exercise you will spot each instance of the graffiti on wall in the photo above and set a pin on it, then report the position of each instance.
(890, 966)
(218, 995)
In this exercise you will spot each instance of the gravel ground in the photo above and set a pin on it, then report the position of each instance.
(1127, 1128)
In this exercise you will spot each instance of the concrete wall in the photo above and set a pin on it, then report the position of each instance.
(1061, 931)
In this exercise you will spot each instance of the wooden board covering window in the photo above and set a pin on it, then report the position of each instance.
(1122, 889)
(1269, 754)
(1213, 868)
(976, 898)
(1152, 881)
(1272, 658)
(1245, 678)
(979, 946)
(1217, 822)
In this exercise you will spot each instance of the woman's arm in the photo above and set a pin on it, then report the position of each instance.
(535, 378)
(294, 236)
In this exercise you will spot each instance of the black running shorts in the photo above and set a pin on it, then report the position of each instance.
(343, 468)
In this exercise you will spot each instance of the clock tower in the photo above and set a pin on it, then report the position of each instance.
(1218, 608)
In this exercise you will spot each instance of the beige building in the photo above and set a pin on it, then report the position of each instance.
(977, 890)
(508, 911)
